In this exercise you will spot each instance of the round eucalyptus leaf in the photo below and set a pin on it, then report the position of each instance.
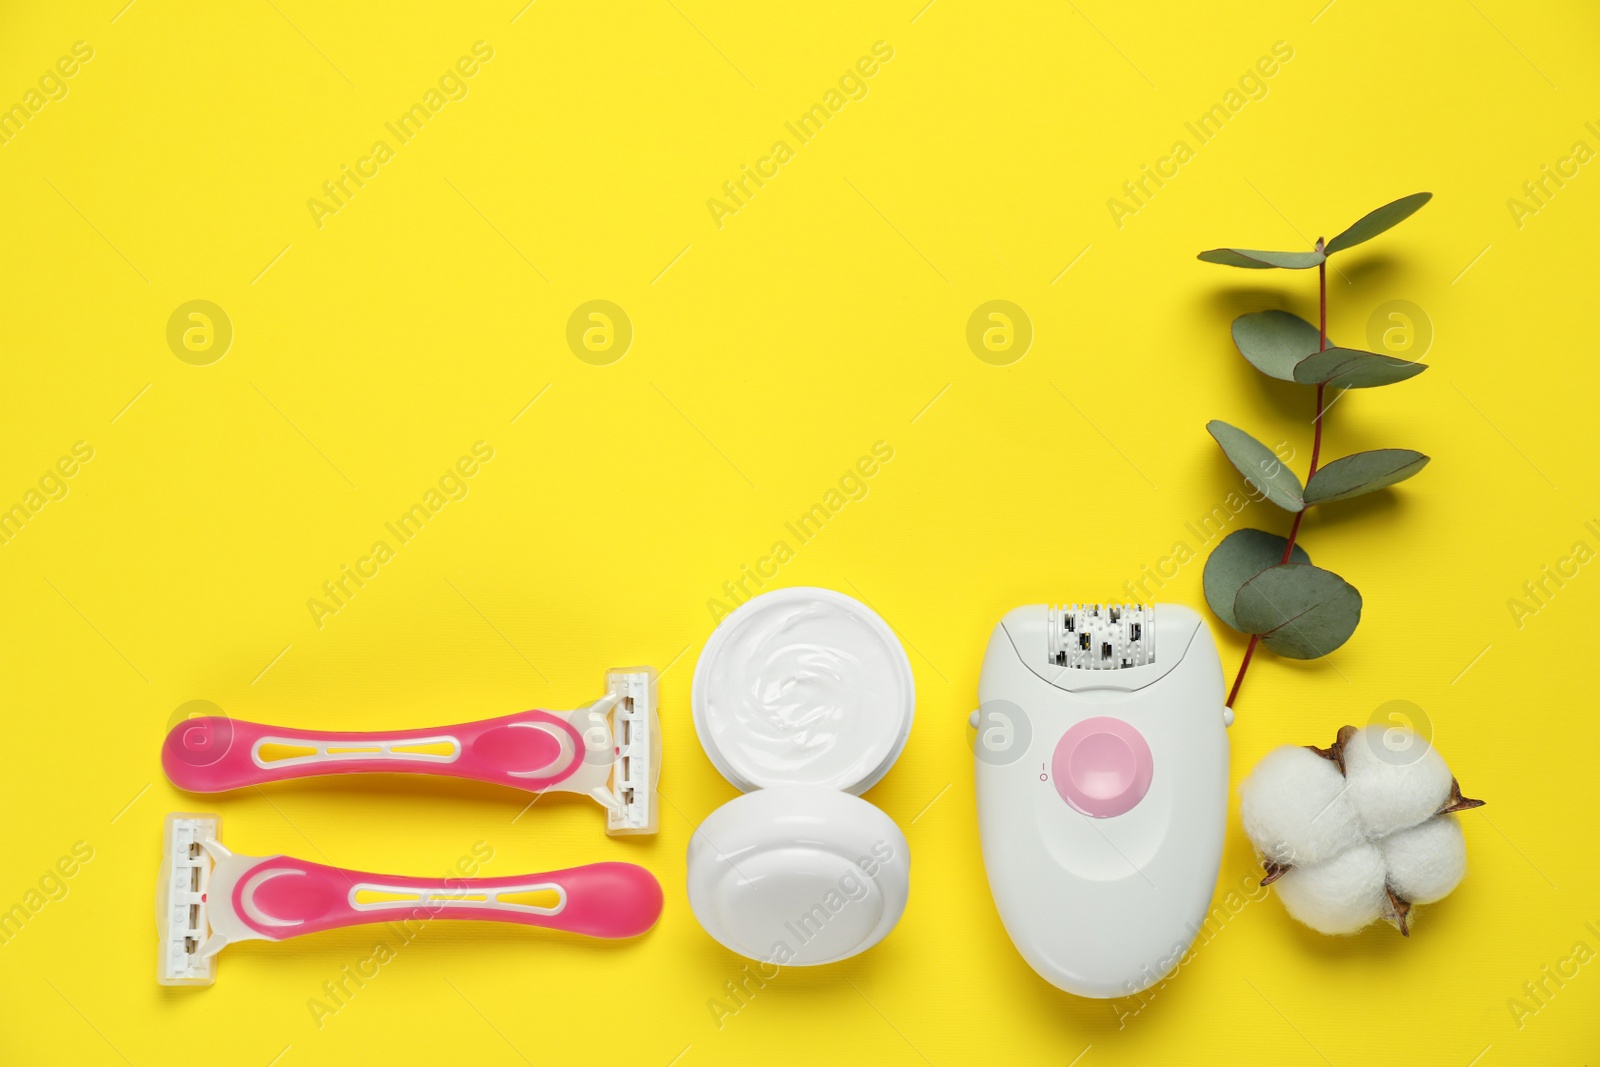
(1254, 260)
(1351, 368)
(1259, 465)
(1373, 223)
(1241, 556)
(1275, 342)
(1363, 472)
(1300, 611)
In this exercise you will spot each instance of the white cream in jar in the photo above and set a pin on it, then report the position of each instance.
(803, 686)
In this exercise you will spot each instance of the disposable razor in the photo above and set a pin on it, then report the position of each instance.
(609, 750)
(208, 898)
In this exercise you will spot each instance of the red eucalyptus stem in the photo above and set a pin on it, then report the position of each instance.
(1316, 452)
(1238, 679)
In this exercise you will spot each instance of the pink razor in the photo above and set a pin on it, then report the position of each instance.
(208, 898)
(609, 750)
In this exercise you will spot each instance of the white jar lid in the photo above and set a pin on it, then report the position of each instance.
(803, 686)
(798, 875)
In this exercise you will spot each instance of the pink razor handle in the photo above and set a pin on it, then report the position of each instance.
(280, 897)
(532, 750)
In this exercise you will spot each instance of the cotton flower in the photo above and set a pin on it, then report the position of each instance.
(1359, 831)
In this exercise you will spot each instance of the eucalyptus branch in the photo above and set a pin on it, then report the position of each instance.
(1257, 582)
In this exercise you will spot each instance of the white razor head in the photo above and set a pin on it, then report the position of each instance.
(1101, 637)
(186, 866)
(636, 765)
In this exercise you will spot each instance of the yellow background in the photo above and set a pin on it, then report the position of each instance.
(769, 354)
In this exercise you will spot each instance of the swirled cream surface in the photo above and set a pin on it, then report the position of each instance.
(803, 686)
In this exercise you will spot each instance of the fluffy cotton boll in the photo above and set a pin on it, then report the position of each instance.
(1339, 896)
(1426, 861)
(1394, 787)
(1295, 808)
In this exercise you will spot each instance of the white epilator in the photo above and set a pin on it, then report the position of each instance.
(1102, 786)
